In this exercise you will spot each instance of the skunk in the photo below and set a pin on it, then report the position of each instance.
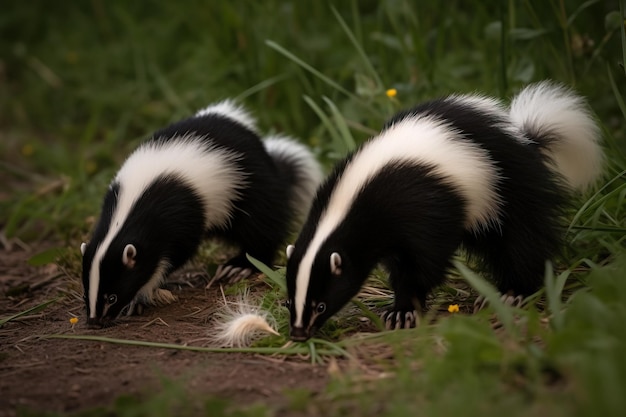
(208, 175)
(461, 171)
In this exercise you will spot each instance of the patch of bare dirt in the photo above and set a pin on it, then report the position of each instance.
(61, 375)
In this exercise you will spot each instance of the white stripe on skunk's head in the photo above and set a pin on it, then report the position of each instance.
(331, 285)
(112, 279)
(310, 309)
(132, 239)
(230, 109)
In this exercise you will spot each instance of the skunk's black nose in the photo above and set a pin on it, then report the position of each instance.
(94, 323)
(100, 323)
(299, 334)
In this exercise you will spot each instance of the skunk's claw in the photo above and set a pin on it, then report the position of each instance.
(135, 308)
(222, 271)
(398, 319)
(237, 274)
(230, 274)
(512, 300)
(480, 303)
(163, 297)
(508, 299)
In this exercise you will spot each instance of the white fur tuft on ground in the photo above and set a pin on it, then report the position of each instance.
(238, 323)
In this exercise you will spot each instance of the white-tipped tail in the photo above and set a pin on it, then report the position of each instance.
(307, 173)
(550, 112)
(232, 110)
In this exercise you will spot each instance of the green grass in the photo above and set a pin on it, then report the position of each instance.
(82, 85)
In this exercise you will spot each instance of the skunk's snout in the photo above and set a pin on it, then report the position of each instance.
(99, 322)
(94, 323)
(299, 334)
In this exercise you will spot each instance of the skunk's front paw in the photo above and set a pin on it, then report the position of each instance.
(157, 297)
(163, 297)
(400, 319)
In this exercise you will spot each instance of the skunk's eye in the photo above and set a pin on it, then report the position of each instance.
(287, 303)
(321, 307)
(112, 299)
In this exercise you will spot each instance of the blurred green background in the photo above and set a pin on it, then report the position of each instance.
(82, 82)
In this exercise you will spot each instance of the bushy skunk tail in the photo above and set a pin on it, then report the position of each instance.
(298, 165)
(560, 123)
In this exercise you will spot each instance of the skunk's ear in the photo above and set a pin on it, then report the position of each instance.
(335, 264)
(289, 250)
(83, 247)
(129, 255)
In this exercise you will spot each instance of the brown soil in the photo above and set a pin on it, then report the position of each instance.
(43, 374)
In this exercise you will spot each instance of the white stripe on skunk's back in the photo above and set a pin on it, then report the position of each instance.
(212, 172)
(427, 141)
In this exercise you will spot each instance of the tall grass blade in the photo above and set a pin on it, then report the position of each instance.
(29, 311)
(273, 276)
(307, 67)
(359, 48)
(313, 352)
(618, 96)
(347, 141)
(622, 11)
(328, 124)
(554, 291)
(332, 347)
(580, 9)
(167, 90)
(46, 257)
(595, 199)
(504, 313)
(369, 314)
(504, 29)
(260, 87)
(293, 349)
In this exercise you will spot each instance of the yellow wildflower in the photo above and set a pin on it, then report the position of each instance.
(74, 320)
(28, 149)
(91, 167)
(453, 308)
(392, 92)
(71, 57)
